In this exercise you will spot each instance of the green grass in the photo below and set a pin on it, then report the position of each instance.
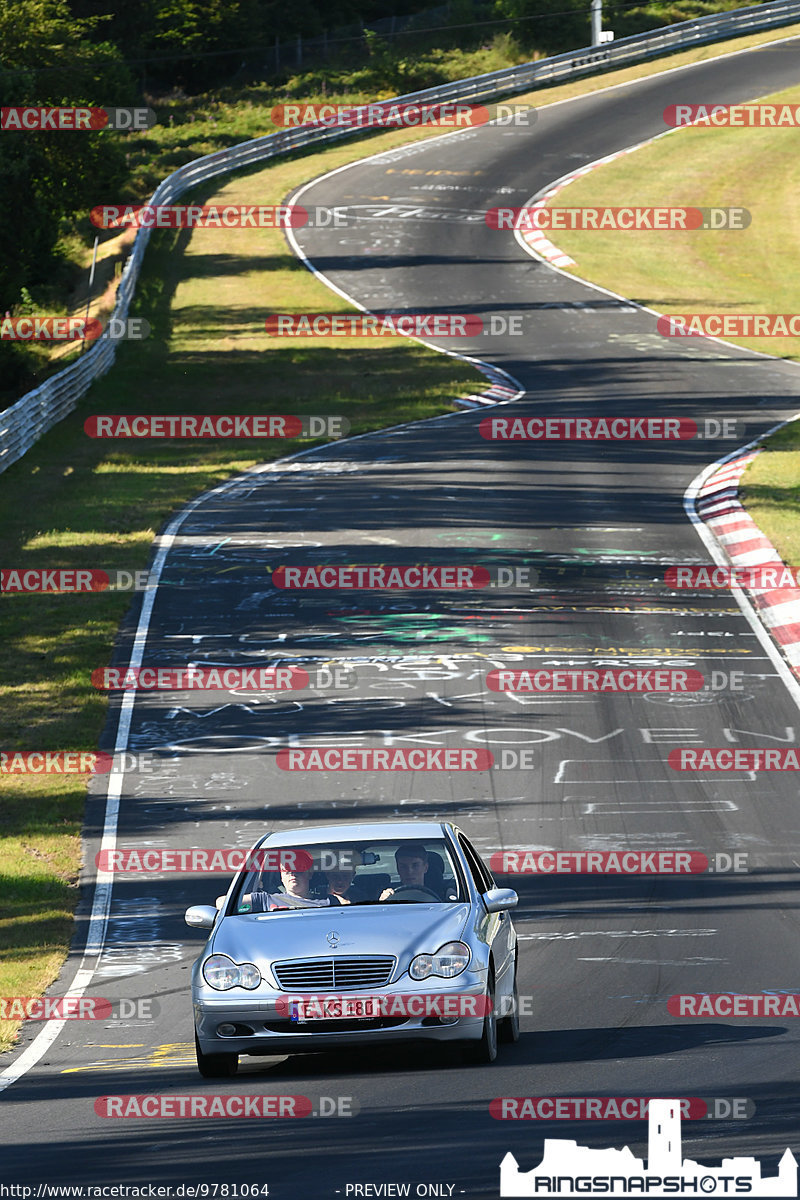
(770, 491)
(699, 271)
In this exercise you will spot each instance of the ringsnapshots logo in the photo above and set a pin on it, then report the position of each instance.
(605, 429)
(26, 119)
(219, 426)
(542, 218)
(732, 116)
(570, 1170)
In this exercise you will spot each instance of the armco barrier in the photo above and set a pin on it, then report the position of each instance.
(25, 422)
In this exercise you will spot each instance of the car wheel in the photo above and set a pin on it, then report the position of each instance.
(485, 1050)
(215, 1066)
(508, 1027)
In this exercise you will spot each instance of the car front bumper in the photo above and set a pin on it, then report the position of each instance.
(259, 1023)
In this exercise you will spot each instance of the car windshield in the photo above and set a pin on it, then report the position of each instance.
(405, 871)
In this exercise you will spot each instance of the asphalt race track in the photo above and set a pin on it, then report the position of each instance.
(597, 524)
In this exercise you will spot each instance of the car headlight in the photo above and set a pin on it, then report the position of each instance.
(222, 973)
(447, 962)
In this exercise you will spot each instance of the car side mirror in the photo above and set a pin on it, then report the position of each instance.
(200, 916)
(500, 899)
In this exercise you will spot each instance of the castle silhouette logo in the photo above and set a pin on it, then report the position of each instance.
(568, 1169)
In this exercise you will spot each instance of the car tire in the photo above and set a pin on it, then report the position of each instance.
(484, 1051)
(508, 1027)
(215, 1066)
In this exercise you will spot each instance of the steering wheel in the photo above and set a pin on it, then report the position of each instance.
(420, 892)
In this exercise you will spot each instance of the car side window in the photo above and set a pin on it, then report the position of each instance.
(480, 875)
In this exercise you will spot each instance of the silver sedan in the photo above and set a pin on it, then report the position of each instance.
(347, 935)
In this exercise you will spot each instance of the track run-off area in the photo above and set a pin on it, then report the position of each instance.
(596, 525)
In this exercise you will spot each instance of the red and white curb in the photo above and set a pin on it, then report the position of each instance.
(498, 393)
(535, 238)
(717, 505)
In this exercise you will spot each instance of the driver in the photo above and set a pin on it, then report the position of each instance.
(412, 866)
(293, 893)
(340, 877)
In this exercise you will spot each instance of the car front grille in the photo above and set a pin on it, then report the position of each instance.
(333, 974)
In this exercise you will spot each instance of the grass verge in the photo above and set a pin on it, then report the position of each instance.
(770, 491)
(677, 272)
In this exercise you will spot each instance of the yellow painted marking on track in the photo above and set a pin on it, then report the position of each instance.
(171, 1054)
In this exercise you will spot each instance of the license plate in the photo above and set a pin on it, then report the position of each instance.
(359, 1008)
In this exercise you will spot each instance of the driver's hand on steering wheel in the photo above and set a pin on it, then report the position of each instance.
(386, 893)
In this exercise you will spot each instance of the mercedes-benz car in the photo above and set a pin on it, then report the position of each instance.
(347, 935)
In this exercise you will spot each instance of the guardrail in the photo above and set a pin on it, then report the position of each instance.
(25, 422)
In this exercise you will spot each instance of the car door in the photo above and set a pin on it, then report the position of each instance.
(499, 933)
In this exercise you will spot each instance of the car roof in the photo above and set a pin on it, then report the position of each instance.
(367, 831)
